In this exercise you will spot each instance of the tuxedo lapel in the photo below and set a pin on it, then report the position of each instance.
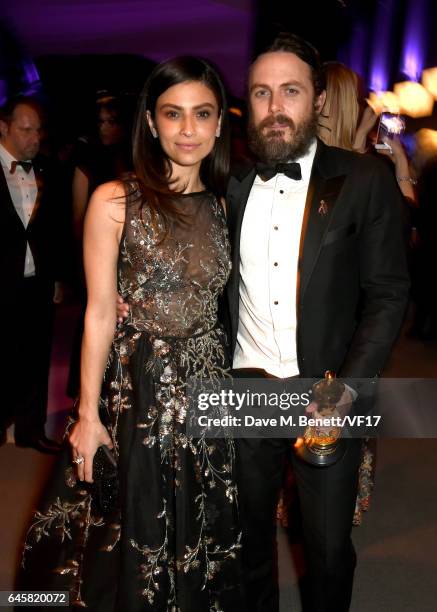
(237, 196)
(7, 206)
(322, 195)
(7, 203)
(237, 199)
(39, 178)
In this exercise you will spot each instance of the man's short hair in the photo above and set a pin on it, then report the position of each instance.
(7, 111)
(291, 43)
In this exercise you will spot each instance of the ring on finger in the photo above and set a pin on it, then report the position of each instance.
(79, 459)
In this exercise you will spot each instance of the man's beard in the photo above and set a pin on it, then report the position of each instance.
(271, 147)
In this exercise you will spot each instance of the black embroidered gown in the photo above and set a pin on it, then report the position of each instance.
(173, 545)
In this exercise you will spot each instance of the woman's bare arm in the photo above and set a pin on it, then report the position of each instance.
(102, 233)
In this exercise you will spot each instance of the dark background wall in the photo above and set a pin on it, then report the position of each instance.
(76, 48)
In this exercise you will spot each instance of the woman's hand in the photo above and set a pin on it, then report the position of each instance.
(368, 120)
(402, 168)
(85, 438)
(397, 155)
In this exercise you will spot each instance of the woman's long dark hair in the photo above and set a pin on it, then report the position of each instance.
(152, 165)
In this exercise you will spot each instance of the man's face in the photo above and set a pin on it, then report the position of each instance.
(283, 107)
(22, 136)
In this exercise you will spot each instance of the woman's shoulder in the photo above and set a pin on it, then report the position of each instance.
(109, 199)
(111, 191)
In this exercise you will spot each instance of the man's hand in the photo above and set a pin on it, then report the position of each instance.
(122, 309)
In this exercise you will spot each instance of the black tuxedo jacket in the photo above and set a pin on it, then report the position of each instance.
(45, 231)
(353, 282)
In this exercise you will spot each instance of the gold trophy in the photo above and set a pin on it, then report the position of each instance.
(322, 444)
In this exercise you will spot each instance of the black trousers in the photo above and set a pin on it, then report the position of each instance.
(327, 501)
(27, 317)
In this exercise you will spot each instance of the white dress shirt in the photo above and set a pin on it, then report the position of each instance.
(269, 253)
(24, 191)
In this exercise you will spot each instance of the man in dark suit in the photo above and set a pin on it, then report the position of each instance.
(319, 282)
(29, 202)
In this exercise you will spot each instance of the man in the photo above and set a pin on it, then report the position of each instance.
(29, 203)
(319, 283)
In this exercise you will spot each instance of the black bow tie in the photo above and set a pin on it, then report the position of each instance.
(268, 171)
(26, 165)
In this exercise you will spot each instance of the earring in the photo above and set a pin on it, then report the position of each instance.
(217, 134)
(154, 133)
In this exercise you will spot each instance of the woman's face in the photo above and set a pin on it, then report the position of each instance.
(186, 122)
(110, 131)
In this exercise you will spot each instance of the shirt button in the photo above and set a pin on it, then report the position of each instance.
(275, 264)
(275, 227)
(281, 191)
(276, 302)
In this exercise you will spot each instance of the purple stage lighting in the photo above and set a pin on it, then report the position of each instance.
(354, 53)
(219, 30)
(414, 39)
(3, 91)
(30, 73)
(380, 65)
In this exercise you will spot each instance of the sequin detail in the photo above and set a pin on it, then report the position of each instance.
(178, 539)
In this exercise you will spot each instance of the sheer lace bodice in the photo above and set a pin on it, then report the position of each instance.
(172, 283)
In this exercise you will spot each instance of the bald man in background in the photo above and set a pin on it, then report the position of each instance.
(30, 260)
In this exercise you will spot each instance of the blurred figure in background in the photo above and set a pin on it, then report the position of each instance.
(105, 156)
(338, 120)
(339, 124)
(30, 256)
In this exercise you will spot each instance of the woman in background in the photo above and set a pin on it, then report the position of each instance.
(104, 156)
(338, 120)
(339, 124)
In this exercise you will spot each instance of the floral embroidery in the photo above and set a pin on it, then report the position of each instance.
(171, 336)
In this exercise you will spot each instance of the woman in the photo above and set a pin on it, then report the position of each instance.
(338, 120)
(161, 242)
(339, 126)
(105, 157)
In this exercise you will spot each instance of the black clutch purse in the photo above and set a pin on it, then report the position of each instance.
(105, 488)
